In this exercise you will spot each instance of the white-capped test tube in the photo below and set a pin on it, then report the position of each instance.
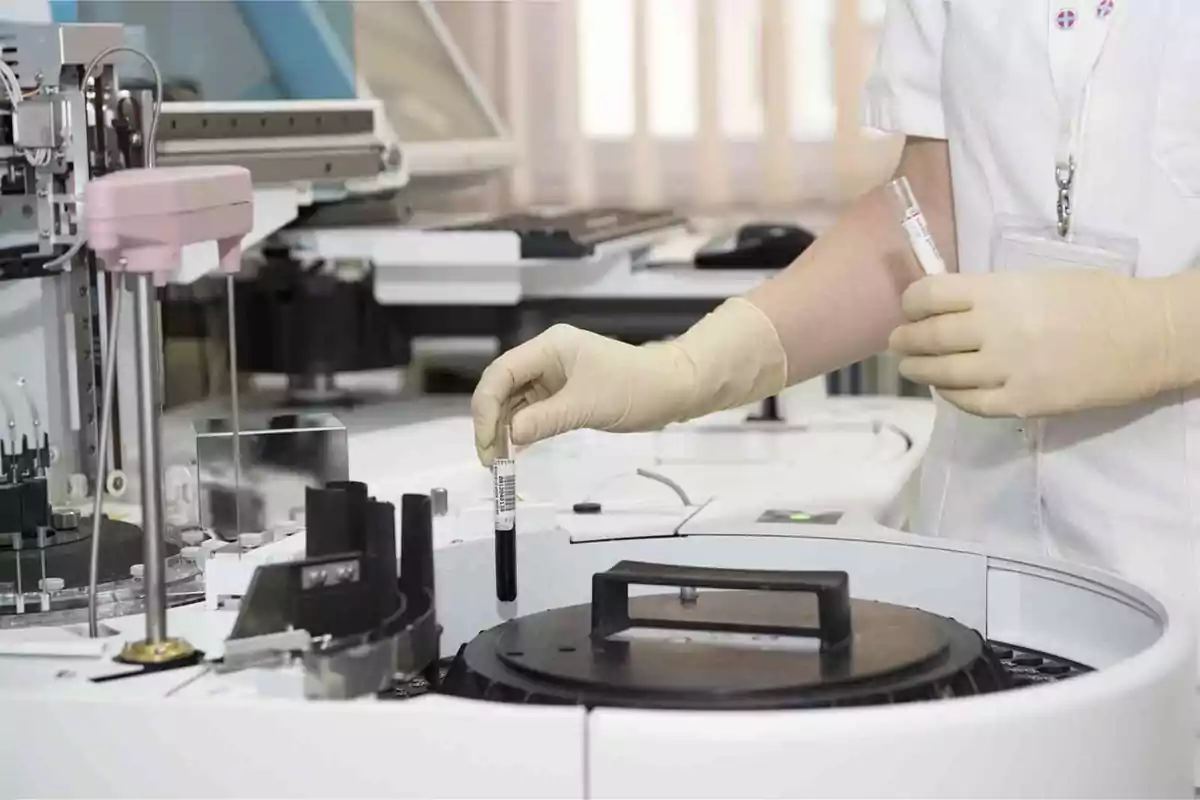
(916, 228)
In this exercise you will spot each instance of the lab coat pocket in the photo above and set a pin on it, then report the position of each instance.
(1177, 122)
(1028, 245)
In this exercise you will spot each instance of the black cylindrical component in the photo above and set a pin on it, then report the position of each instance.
(35, 505)
(506, 566)
(416, 545)
(381, 557)
(11, 516)
(416, 562)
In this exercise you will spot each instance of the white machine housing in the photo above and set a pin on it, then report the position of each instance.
(1124, 730)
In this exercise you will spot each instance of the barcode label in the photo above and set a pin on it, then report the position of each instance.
(504, 492)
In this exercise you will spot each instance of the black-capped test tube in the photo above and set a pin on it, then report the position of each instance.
(504, 488)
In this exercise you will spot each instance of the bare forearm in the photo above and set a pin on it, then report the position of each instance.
(838, 303)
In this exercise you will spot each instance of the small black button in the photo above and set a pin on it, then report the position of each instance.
(586, 507)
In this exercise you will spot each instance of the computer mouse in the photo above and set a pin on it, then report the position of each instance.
(760, 245)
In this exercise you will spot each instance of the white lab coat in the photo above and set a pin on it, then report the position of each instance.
(1115, 488)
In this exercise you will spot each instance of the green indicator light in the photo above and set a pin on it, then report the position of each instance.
(799, 517)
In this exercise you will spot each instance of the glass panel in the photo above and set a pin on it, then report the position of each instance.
(408, 68)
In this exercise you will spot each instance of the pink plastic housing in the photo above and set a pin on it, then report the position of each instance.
(147, 216)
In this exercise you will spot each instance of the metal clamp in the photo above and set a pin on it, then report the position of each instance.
(1064, 177)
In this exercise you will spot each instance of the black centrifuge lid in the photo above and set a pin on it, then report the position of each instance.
(762, 639)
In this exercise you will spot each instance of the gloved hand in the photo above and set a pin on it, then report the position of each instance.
(567, 378)
(1035, 344)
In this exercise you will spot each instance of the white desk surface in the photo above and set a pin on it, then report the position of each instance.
(622, 282)
(612, 273)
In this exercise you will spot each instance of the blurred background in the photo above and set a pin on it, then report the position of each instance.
(711, 105)
(697, 124)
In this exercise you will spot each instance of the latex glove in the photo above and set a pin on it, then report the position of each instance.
(567, 378)
(1034, 344)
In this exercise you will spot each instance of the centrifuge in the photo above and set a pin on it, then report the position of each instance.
(800, 655)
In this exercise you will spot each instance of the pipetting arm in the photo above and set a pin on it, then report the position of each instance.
(147, 216)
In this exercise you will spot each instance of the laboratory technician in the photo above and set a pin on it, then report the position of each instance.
(1055, 149)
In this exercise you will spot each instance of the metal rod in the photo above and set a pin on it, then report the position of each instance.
(145, 343)
(17, 548)
(43, 593)
(106, 403)
(234, 418)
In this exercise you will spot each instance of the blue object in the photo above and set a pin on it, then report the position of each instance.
(64, 10)
(308, 58)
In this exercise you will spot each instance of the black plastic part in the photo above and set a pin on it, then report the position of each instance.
(325, 513)
(35, 505)
(902, 655)
(336, 518)
(759, 246)
(338, 610)
(587, 507)
(345, 524)
(381, 558)
(416, 567)
(416, 561)
(416, 545)
(11, 516)
(25, 262)
(506, 565)
(1031, 667)
(610, 599)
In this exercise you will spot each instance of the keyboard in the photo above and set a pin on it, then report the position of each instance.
(574, 234)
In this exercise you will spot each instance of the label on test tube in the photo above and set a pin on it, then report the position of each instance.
(915, 227)
(504, 490)
(923, 245)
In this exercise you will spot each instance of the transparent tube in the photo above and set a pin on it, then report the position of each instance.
(915, 227)
(917, 231)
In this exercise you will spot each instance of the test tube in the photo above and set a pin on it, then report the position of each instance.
(504, 487)
(915, 227)
(917, 230)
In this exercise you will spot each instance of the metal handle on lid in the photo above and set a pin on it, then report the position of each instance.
(610, 598)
